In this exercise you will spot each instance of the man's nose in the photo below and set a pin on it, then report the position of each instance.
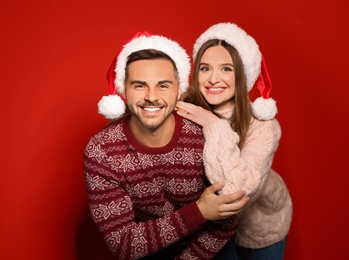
(151, 95)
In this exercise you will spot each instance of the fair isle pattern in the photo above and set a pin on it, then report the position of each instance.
(188, 256)
(129, 162)
(211, 244)
(168, 232)
(143, 201)
(96, 182)
(96, 152)
(138, 240)
(103, 212)
(183, 186)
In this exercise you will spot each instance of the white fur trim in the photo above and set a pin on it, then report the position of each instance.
(243, 43)
(160, 43)
(264, 109)
(111, 106)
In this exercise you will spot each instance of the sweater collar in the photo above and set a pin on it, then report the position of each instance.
(154, 150)
(226, 113)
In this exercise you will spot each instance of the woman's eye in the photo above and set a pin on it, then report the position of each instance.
(204, 68)
(228, 69)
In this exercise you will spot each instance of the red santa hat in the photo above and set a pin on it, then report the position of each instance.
(264, 107)
(113, 105)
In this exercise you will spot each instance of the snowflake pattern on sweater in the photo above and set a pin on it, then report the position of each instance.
(143, 199)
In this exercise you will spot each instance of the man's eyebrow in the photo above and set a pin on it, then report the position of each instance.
(138, 82)
(145, 83)
(165, 81)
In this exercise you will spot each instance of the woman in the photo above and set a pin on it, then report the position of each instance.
(241, 138)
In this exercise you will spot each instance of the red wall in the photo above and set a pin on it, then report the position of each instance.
(54, 56)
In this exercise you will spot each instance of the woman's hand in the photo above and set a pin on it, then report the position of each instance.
(196, 114)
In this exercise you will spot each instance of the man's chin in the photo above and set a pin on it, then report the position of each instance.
(155, 122)
(152, 124)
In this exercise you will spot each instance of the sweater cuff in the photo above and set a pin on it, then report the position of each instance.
(193, 216)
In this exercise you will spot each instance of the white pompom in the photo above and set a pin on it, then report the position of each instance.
(111, 106)
(264, 109)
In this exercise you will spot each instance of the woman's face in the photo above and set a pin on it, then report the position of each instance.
(216, 77)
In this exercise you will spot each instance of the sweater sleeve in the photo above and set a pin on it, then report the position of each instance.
(210, 240)
(244, 169)
(113, 211)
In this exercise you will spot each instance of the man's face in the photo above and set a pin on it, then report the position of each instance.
(151, 91)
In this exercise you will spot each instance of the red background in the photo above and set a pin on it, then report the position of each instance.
(54, 57)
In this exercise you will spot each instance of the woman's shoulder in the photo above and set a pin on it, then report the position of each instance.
(270, 126)
(272, 123)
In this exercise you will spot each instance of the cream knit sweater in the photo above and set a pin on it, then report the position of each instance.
(266, 218)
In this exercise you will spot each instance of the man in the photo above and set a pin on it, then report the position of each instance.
(144, 171)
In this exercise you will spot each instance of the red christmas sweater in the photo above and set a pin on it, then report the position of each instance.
(143, 199)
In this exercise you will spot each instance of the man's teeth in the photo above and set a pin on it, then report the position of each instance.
(151, 109)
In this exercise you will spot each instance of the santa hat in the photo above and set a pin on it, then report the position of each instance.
(113, 105)
(264, 107)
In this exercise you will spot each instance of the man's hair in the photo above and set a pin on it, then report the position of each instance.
(148, 54)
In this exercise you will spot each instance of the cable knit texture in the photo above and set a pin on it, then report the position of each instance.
(266, 219)
(143, 199)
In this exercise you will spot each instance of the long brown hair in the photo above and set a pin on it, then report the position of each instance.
(242, 115)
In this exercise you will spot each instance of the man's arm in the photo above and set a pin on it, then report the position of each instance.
(215, 234)
(113, 212)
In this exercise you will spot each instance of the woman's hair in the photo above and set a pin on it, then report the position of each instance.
(242, 115)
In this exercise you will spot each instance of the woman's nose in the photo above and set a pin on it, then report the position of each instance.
(214, 77)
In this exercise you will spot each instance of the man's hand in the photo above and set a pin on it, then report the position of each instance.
(215, 207)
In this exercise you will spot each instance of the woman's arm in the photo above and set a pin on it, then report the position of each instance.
(240, 170)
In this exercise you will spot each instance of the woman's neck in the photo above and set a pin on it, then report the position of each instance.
(225, 111)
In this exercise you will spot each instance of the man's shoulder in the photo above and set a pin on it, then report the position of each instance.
(190, 127)
(112, 132)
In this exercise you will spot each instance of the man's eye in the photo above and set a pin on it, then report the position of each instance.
(164, 86)
(138, 86)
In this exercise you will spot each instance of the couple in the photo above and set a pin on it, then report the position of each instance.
(166, 179)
